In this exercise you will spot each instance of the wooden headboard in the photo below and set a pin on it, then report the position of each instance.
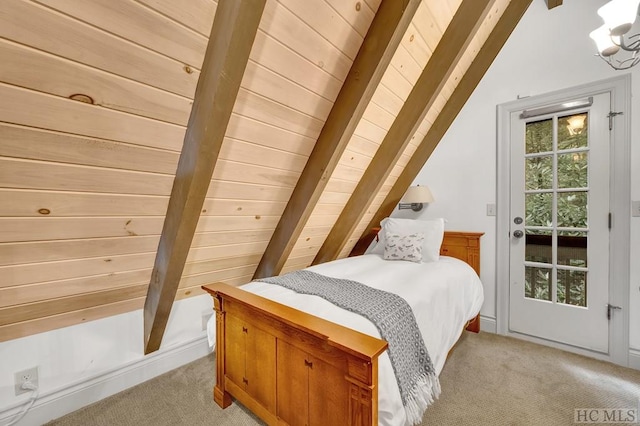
(461, 245)
(464, 246)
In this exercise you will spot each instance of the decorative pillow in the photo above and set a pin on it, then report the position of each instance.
(404, 247)
(433, 231)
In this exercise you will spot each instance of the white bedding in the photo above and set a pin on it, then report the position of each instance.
(444, 295)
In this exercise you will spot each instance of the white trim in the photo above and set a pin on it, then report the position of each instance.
(487, 324)
(620, 88)
(634, 359)
(57, 403)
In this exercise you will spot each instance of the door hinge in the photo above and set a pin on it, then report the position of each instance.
(611, 115)
(610, 220)
(611, 307)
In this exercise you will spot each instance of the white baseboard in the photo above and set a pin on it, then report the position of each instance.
(57, 403)
(488, 324)
(634, 359)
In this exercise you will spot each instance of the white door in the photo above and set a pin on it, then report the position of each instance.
(559, 233)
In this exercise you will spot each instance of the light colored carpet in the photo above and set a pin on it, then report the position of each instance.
(487, 380)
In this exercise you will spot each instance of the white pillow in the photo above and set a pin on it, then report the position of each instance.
(404, 247)
(433, 231)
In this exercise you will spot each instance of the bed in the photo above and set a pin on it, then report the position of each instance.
(278, 355)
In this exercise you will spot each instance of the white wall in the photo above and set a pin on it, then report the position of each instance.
(98, 358)
(549, 50)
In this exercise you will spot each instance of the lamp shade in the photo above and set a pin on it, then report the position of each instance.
(417, 194)
(619, 15)
(604, 43)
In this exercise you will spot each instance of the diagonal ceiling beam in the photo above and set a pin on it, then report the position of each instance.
(232, 35)
(450, 49)
(483, 60)
(553, 3)
(382, 39)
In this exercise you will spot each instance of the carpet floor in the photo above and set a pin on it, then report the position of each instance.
(487, 380)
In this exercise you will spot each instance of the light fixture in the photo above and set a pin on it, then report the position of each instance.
(415, 197)
(618, 16)
(575, 124)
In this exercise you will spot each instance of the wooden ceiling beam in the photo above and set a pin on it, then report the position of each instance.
(483, 60)
(450, 49)
(383, 38)
(234, 29)
(553, 3)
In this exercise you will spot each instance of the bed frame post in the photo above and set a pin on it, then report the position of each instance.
(220, 395)
(363, 392)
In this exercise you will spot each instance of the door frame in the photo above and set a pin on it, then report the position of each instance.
(620, 205)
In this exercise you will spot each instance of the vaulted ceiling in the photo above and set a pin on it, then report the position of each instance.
(147, 149)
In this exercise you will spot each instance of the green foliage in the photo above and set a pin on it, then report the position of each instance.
(572, 212)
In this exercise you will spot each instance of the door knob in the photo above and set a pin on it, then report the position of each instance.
(518, 234)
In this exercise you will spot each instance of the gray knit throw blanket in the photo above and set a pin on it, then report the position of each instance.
(392, 315)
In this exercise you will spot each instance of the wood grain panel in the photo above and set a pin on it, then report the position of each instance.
(40, 325)
(284, 26)
(267, 83)
(61, 228)
(359, 17)
(242, 207)
(18, 275)
(237, 190)
(244, 152)
(370, 131)
(27, 203)
(250, 130)
(26, 107)
(46, 251)
(213, 244)
(416, 46)
(406, 64)
(44, 29)
(323, 19)
(251, 173)
(230, 251)
(210, 265)
(10, 296)
(55, 204)
(280, 58)
(23, 66)
(266, 110)
(207, 239)
(37, 144)
(134, 22)
(29, 174)
(57, 306)
(216, 276)
(195, 14)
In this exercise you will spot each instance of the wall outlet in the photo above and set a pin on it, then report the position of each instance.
(205, 319)
(30, 375)
(635, 208)
(491, 209)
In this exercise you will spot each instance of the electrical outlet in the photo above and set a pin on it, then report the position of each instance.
(635, 208)
(205, 320)
(24, 376)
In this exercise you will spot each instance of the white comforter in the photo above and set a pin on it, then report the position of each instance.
(444, 295)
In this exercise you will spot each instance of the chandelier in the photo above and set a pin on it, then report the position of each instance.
(618, 16)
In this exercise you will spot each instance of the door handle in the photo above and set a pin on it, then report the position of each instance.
(518, 233)
(611, 307)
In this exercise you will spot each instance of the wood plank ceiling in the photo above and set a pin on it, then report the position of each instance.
(95, 98)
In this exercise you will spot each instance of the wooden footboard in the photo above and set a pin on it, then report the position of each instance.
(289, 367)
